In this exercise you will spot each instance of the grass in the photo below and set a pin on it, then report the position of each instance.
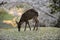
(43, 33)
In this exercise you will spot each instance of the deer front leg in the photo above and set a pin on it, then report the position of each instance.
(18, 28)
(25, 26)
(29, 25)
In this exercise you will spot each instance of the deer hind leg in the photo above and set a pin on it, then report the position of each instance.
(36, 23)
(34, 28)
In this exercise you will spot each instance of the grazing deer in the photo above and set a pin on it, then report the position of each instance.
(2, 3)
(30, 14)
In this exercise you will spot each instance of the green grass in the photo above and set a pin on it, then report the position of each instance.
(43, 33)
(4, 15)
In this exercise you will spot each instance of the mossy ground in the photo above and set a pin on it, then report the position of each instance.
(43, 33)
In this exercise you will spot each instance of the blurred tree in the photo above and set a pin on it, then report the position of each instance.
(58, 23)
(2, 3)
(55, 8)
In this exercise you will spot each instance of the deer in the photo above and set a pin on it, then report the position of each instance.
(26, 16)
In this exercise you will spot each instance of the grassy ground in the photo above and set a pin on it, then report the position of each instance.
(44, 33)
